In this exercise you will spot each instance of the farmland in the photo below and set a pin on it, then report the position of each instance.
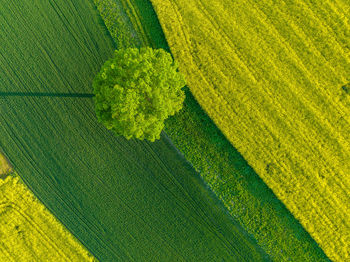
(124, 200)
(5, 166)
(272, 78)
(242, 191)
(28, 232)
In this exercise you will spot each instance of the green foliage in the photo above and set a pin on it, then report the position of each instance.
(136, 91)
(117, 22)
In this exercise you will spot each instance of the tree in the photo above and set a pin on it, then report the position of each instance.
(136, 90)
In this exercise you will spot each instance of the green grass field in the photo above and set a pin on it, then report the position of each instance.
(124, 200)
(28, 232)
(273, 76)
(242, 191)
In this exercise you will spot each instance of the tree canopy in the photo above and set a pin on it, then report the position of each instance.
(136, 90)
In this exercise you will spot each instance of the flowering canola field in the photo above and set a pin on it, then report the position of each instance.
(28, 232)
(274, 76)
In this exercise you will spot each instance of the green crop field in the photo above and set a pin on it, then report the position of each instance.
(124, 200)
(246, 196)
(28, 232)
(274, 77)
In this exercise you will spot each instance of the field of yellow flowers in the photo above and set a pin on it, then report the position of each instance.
(274, 78)
(29, 232)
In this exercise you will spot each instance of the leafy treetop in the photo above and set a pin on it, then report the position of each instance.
(136, 90)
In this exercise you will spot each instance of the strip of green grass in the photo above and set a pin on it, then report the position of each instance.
(242, 191)
(124, 200)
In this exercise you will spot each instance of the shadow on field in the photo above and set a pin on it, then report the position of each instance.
(41, 94)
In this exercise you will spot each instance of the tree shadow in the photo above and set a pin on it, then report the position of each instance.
(44, 94)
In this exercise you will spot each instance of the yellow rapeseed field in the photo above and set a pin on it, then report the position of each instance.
(274, 76)
(28, 232)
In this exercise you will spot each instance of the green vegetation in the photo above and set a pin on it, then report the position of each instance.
(242, 191)
(117, 21)
(28, 232)
(270, 74)
(136, 90)
(124, 200)
(5, 166)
